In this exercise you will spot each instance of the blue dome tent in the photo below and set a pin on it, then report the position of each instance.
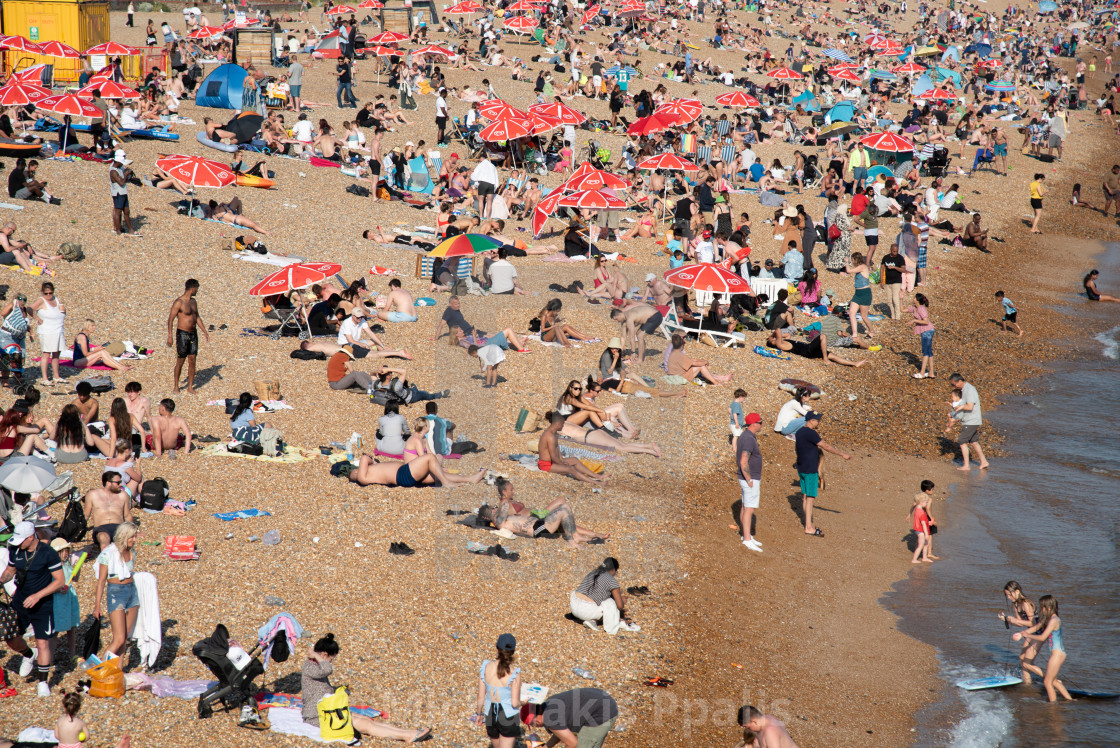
(224, 88)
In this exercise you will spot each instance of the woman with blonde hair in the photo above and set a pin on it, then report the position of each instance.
(115, 582)
(87, 354)
(1048, 630)
(1024, 614)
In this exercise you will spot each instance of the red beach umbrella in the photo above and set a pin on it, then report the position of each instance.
(21, 94)
(464, 9)
(845, 75)
(592, 200)
(382, 51)
(205, 32)
(21, 44)
(707, 277)
(542, 123)
(521, 24)
(75, 106)
(373, 4)
(197, 171)
(506, 129)
(109, 90)
(738, 99)
(589, 14)
(58, 49)
(937, 94)
(887, 141)
(522, 6)
(562, 112)
(432, 50)
(651, 124)
(910, 68)
(545, 208)
(387, 37)
(342, 10)
(685, 110)
(495, 109)
(668, 161)
(294, 277)
(587, 177)
(113, 49)
(784, 74)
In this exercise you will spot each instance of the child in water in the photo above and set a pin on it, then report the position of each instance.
(1048, 630)
(1024, 616)
(922, 524)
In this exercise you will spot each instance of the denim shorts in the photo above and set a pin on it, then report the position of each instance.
(927, 343)
(122, 597)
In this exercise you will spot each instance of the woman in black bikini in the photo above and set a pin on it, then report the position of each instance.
(1090, 284)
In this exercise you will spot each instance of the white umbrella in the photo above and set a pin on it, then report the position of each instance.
(26, 474)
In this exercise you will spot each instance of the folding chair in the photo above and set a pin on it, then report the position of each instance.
(435, 165)
(704, 154)
(983, 156)
(723, 128)
(729, 157)
(688, 143)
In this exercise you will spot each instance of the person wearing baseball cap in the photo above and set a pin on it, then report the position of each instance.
(354, 328)
(808, 445)
(40, 570)
(580, 718)
(748, 458)
(499, 694)
(119, 174)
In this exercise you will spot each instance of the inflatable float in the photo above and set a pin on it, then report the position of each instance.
(200, 136)
(17, 148)
(263, 183)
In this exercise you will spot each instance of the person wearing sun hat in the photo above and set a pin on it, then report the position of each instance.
(119, 175)
(499, 694)
(40, 569)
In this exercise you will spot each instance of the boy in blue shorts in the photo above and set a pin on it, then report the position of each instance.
(809, 445)
(1010, 314)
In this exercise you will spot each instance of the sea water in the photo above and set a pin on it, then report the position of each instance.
(1046, 515)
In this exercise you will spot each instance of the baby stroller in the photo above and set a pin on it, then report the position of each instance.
(598, 156)
(938, 162)
(235, 684)
(11, 365)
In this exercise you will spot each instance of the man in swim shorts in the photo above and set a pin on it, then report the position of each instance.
(638, 321)
(549, 459)
(515, 517)
(182, 333)
(107, 507)
(424, 470)
(399, 306)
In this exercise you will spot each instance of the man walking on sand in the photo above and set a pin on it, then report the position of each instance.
(770, 732)
(749, 459)
(1111, 187)
(808, 445)
(182, 333)
(966, 410)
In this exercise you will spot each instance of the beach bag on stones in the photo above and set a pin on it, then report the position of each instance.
(267, 389)
(334, 717)
(107, 679)
(154, 493)
(74, 526)
(71, 251)
(357, 189)
(99, 384)
(246, 448)
(528, 421)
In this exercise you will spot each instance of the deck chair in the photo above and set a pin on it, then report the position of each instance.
(704, 154)
(729, 157)
(983, 156)
(435, 165)
(723, 128)
(419, 181)
(688, 143)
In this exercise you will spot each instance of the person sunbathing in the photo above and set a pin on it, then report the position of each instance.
(22, 253)
(161, 180)
(169, 431)
(516, 518)
(555, 330)
(815, 348)
(549, 459)
(217, 134)
(423, 470)
(86, 354)
(231, 213)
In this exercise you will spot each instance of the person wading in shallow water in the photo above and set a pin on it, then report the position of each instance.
(182, 333)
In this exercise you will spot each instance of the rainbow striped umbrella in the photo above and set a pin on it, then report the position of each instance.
(464, 245)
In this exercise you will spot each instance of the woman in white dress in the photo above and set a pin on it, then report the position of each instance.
(50, 315)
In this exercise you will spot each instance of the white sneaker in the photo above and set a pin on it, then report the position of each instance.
(44, 689)
(28, 663)
(754, 545)
(593, 625)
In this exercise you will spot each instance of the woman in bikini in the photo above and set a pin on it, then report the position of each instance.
(70, 730)
(1024, 615)
(1048, 630)
(86, 354)
(579, 411)
(18, 434)
(421, 470)
(645, 228)
(417, 443)
(121, 424)
(604, 281)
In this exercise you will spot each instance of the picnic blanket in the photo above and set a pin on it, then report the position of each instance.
(275, 701)
(266, 259)
(291, 454)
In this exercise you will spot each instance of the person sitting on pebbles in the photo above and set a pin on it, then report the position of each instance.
(549, 459)
(422, 470)
(515, 517)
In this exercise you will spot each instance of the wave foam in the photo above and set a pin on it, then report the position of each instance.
(1110, 343)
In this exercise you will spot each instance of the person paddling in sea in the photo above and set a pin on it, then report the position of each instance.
(967, 411)
(1091, 292)
(1024, 615)
(1048, 630)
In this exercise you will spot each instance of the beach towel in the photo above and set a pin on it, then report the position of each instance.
(291, 454)
(287, 701)
(268, 259)
(378, 270)
(242, 514)
(147, 631)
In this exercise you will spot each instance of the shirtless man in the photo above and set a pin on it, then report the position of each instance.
(770, 731)
(658, 292)
(182, 332)
(423, 470)
(637, 321)
(137, 404)
(522, 523)
(169, 431)
(106, 508)
(399, 306)
(86, 404)
(549, 459)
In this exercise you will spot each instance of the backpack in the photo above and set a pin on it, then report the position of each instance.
(153, 494)
(303, 355)
(246, 448)
(71, 251)
(99, 384)
(357, 189)
(342, 469)
(73, 527)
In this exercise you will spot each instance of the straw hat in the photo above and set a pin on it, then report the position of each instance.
(614, 343)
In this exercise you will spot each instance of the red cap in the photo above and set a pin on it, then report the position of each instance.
(753, 418)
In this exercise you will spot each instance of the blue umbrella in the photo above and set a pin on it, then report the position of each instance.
(1047, 6)
(838, 55)
(883, 75)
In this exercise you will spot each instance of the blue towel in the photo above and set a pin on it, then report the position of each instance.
(242, 514)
